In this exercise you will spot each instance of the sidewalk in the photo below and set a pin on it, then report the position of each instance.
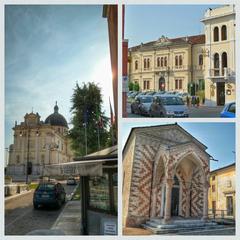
(69, 221)
(136, 231)
(9, 198)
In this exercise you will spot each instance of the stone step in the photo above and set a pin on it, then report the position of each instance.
(181, 224)
(179, 229)
(177, 221)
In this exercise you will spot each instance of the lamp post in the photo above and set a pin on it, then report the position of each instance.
(6, 159)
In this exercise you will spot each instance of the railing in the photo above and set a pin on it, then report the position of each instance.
(219, 72)
(198, 67)
(181, 67)
(220, 214)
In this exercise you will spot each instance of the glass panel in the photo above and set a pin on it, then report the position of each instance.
(115, 191)
(99, 192)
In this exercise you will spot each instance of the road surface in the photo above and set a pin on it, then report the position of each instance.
(21, 218)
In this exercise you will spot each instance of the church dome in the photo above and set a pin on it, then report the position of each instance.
(56, 119)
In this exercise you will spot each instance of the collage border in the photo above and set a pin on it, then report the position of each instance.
(121, 120)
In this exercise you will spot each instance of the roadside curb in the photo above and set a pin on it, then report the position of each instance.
(17, 195)
(72, 194)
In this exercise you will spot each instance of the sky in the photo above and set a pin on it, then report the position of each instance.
(218, 137)
(144, 23)
(48, 49)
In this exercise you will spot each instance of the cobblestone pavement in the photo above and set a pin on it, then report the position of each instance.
(21, 217)
(194, 112)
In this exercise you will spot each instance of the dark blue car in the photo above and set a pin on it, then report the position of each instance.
(229, 110)
(49, 194)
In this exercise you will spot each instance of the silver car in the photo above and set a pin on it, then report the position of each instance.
(145, 104)
(168, 106)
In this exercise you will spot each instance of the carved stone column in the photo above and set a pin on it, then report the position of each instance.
(188, 189)
(167, 212)
(205, 201)
(153, 202)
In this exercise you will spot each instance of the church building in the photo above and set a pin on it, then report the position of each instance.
(165, 176)
(38, 143)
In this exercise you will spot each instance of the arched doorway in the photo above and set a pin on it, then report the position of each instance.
(175, 197)
(161, 84)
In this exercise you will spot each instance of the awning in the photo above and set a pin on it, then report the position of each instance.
(90, 165)
(74, 169)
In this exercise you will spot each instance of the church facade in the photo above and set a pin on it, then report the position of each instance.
(39, 143)
(202, 65)
(165, 175)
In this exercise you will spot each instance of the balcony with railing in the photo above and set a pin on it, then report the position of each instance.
(224, 73)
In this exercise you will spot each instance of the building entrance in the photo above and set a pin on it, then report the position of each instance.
(220, 93)
(175, 198)
(161, 84)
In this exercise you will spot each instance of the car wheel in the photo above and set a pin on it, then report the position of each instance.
(59, 204)
(35, 206)
(132, 110)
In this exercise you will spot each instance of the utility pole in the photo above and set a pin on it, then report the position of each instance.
(28, 145)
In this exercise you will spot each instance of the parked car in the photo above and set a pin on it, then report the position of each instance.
(150, 93)
(229, 110)
(135, 105)
(49, 194)
(145, 103)
(184, 96)
(71, 181)
(168, 106)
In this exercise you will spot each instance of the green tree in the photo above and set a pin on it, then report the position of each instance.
(130, 86)
(136, 87)
(87, 109)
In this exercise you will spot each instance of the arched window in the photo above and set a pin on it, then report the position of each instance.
(200, 60)
(180, 60)
(224, 61)
(148, 63)
(158, 61)
(136, 65)
(165, 61)
(224, 32)
(161, 61)
(216, 64)
(215, 34)
(176, 60)
(145, 63)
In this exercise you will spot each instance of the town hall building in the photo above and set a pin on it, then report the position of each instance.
(202, 65)
(39, 143)
(165, 176)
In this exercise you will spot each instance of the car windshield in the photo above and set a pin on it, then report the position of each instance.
(46, 187)
(172, 101)
(146, 99)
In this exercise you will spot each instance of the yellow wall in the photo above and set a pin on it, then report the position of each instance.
(224, 186)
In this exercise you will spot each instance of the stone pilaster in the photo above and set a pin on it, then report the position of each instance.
(205, 201)
(167, 213)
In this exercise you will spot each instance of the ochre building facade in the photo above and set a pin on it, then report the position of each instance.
(222, 191)
(201, 65)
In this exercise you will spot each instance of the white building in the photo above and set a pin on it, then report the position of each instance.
(39, 143)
